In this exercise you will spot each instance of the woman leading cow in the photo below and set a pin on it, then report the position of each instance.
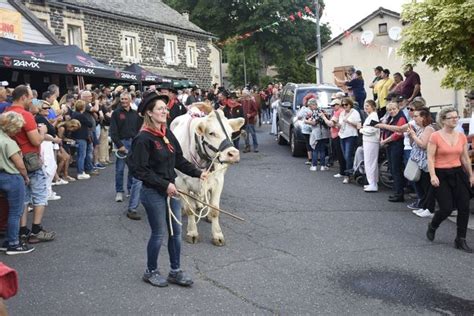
(154, 155)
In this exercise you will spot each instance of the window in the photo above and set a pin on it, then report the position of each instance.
(191, 55)
(74, 35)
(171, 56)
(383, 28)
(224, 56)
(130, 46)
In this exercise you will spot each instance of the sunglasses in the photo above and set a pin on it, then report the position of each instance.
(411, 109)
(45, 108)
(344, 104)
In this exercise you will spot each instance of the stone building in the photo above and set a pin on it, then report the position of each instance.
(121, 32)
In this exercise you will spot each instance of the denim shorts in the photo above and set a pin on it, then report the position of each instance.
(36, 192)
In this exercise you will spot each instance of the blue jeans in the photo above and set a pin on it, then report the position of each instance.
(81, 155)
(120, 170)
(348, 145)
(319, 152)
(88, 166)
(250, 128)
(134, 194)
(14, 187)
(156, 209)
(395, 159)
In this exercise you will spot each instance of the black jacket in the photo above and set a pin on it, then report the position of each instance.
(176, 110)
(83, 132)
(123, 125)
(151, 162)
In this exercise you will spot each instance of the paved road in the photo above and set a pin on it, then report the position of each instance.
(311, 245)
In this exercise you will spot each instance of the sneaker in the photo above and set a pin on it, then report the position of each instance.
(19, 249)
(155, 278)
(425, 213)
(313, 168)
(83, 176)
(69, 179)
(454, 213)
(346, 180)
(42, 236)
(371, 188)
(307, 162)
(324, 168)
(94, 172)
(54, 197)
(99, 166)
(119, 197)
(337, 175)
(60, 182)
(132, 214)
(413, 205)
(418, 211)
(255, 150)
(24, 237)
(180, 278)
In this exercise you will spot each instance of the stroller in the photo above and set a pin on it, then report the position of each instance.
(358, 173)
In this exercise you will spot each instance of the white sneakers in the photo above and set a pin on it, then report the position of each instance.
(346, 180)
(60, 182)
(324, 168)
(83, 176)
(423, 213)
(337, 175)
(53, 197)
(313, 168)
(119, 197)
(370, 188)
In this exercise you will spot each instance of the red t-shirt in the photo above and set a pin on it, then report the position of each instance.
(21, 137)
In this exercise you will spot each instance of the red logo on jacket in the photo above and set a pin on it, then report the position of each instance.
(158, 145)
(122, 116)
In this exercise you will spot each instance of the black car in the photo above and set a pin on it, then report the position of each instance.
(289, 127)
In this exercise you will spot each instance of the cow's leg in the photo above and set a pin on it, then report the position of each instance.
(217, 235)
(192, 234)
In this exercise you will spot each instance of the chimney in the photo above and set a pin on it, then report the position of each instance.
(186, 15)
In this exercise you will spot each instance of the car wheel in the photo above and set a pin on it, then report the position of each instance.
(280, 139)
(295, 149)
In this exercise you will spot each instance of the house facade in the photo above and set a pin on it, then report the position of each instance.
(119, 33)
(375, 41)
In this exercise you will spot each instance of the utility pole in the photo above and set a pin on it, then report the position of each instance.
(245, 68)
(319, 66)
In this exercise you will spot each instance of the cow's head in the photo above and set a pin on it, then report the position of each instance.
(215, 132)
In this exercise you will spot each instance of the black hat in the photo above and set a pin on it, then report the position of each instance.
(168, 86)
(149, 99)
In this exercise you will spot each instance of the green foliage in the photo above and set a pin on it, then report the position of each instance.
(441, 33)
(284, 45)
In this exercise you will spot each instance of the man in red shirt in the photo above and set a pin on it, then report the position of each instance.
(29, 139)
(250, 111)
(412, 85)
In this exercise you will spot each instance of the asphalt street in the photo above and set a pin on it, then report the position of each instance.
(310, 245)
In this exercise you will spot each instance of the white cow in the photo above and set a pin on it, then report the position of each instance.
(202, 139)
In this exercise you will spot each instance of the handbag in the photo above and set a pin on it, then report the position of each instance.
(32, 162)
(412, 172)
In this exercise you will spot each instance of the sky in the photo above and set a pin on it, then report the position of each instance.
(342, 14)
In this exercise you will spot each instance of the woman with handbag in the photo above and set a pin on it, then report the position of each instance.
(451, 175)
(419, 139)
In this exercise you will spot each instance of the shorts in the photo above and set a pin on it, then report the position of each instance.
(36, 192)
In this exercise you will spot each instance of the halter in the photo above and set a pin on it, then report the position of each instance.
(203, 146)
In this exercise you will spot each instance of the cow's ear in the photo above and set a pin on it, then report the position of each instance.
(236, 123)
(201, 128)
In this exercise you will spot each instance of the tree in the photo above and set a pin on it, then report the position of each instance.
(284, 44)
(441, 33)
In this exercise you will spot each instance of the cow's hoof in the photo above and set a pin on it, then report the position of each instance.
(218, 241)
(192, 239)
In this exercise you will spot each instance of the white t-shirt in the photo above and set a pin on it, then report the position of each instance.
(348, 130)
(370, 134)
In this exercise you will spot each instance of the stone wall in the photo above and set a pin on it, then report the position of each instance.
(103, 35)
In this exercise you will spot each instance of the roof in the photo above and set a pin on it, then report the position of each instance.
(154, 11)
(27, 14)
(379, 12)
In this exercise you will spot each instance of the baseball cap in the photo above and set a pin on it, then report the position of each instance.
(3, 83)
(334, 102)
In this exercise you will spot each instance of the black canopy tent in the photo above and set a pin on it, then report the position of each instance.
(146, 76)
(56, 59)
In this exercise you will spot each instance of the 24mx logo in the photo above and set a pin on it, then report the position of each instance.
(26, 64)
(83, 70)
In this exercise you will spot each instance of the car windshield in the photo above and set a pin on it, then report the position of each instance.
(324, 96)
